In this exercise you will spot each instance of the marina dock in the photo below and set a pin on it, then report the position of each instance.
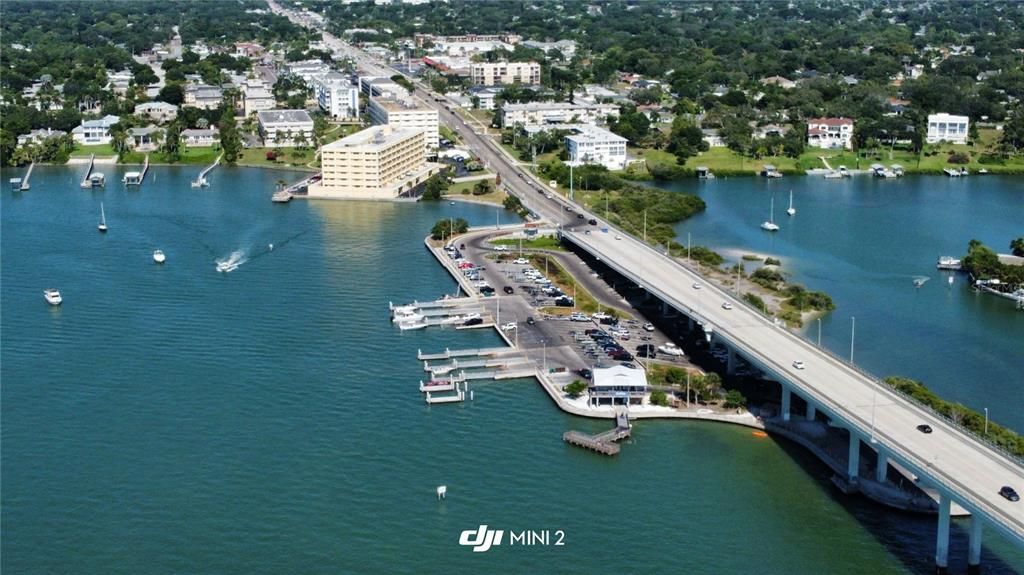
(453, 353)
(602, 442)
(87, 182)
(299, 188)
(22, 183)
(135, 178)
(201, 181)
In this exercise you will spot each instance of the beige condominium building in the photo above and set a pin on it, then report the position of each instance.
(407, 114)
(379, 163)
(498, 73)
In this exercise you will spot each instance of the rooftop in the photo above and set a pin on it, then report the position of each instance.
(402, 105)
(283, 116)
(376, 137)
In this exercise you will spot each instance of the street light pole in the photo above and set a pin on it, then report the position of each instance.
(853, 334)
(645, 226)
(819, 332)
(570, 182)
(986, 421)
(688, 247)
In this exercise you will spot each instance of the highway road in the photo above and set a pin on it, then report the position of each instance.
(949, 459)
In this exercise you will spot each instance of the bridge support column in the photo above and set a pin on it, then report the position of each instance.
(786, 398)
(974, 547)
(942, 536)
(812, 411)
(690, 324)
(664, 308)
(853, 463)
(730, 364)
(882, 468)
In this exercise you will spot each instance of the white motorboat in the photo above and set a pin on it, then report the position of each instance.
(159, 257)
(671, 349)
(453, 319)
(437, 385)
(403, 309)
(791, 211)
(52, 296)
(408, 318)
(103, 220)
(403, 325)
(770, 224)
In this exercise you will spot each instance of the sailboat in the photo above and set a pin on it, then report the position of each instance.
(770, 225)
(791, 211)
(103, 220)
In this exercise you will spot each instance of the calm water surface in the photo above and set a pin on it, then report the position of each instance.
(172, 419)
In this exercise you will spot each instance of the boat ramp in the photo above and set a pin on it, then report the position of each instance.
(602, 442)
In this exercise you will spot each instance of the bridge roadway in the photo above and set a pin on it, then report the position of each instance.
(955, 463)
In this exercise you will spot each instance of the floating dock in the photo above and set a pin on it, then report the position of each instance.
(603, 442)
(135, 178)
(201, 181)
(495, 362)
(452, 353)
(86, 183)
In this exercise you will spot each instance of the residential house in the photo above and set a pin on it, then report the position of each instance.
(947, 128)
(194, 137)
(94, 132)
(144, 139)
(203, 96)
(160, 112)
(485, 97)
(713, 138)
(39, 136)
(289, 124)
(830, 133)
(592, 145)
(779, 81)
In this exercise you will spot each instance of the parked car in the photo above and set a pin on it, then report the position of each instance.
(623, 356)
(521, 261)
(509, 326)
(648, 327)
(578, 317)
(646, 350)
(530, 321)
(586, 373)
(564, 301)
(473, 321)
(508, 290)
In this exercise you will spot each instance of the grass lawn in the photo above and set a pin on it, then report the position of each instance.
(541, 243)
(104, 150)
(289, 158)
(340, 131)
(465, 189)
(202, 156)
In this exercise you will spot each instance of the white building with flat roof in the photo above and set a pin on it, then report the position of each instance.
(555, 113)
(283, 127)
(256, 97)
(378, 163)
(593, 145)
(947, 128)
(618, 385)
(410, 113)
(502, 73)
(336, 95)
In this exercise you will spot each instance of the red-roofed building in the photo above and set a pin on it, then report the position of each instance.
(830, 132)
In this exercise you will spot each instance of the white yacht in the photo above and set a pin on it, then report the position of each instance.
(770, 224)
(103, 220)
(407, 318)
(671, 349)
(52, 296)
(402, 325)
(791, 211)
(159, 257)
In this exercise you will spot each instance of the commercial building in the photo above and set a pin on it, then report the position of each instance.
(336, 95)
(378, 163)
(94, 132)
(501, 73)
(619, 385)
(409, 113)
(566, 47)
(380, 86)
(283, 127)
(830, 133)
(256, 97)
(593, 145)
(947, 128)
(555, 113)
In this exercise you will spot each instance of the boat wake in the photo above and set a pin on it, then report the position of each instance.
(919, 280)
(232, 262)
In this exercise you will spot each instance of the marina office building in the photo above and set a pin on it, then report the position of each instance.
(407, 114)
(379, 163)
(619, 385)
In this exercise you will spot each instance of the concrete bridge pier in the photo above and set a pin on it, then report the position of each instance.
(812, 411)
(853, 464)
(882, 467)
(730, 364)
(974, 546)
(786, 399)
(942, 536)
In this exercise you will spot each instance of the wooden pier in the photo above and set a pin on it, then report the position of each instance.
(86, 183)
(135, 178)
(201, 181)
(603, 442)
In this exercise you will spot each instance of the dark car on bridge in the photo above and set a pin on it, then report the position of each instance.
(1009, 493)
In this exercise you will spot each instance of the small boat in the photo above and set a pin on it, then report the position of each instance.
(407, 318)
(948, 263)
(983, 171)
(52, 296)
(918, 282)
(770, 225)
(227, 266)
(833, 175)
(404, 326)
(791, 211)
(451, 203)
(159, 257)
(437, 385)
(103, 220)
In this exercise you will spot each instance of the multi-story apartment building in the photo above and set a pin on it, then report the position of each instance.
(500, 73)
(407, 114)
(593, 145)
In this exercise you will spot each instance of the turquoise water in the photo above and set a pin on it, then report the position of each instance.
(172, 419)
(863, 241)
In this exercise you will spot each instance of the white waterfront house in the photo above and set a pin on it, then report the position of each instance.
(618, 385)
(288, 123)
(830, 133)
(199, 137)
(947, 128)
(593, 145)
(94, 132)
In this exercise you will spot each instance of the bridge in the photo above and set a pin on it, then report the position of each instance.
(956, 464)
(950, 461)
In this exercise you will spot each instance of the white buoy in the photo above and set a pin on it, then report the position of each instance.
(442, 490)
(271, 247)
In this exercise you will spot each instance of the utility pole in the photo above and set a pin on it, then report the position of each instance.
(687, 388)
